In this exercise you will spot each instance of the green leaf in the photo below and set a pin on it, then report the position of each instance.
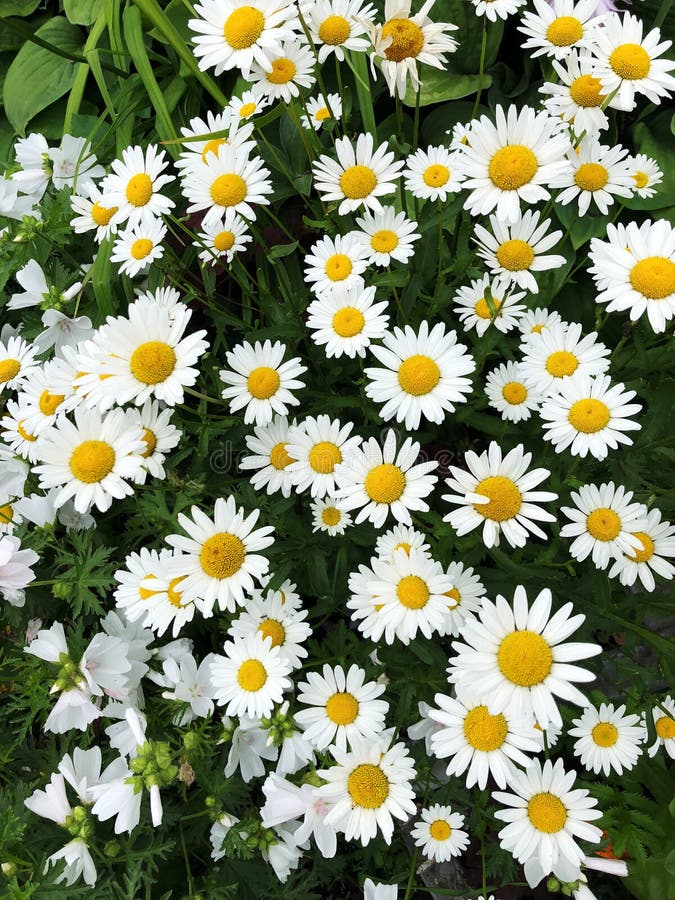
(18, 7)
(82, 12)
(38, 77)
(438, 87)
(282, 250)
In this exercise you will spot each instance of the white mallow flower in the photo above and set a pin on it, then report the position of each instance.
(15, 566)
(73, 161)
(82, 771)
(60, 331)
(377, 891)
(190, 684)
(35, 288)
(285, 802)
(249, 748)
(12, 206)
(32, 154)
(104, 666)
(284, 855)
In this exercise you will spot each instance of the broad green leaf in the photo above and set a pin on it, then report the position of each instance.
(18, 7)
(82, 12)
(38, 77)
(438, 87)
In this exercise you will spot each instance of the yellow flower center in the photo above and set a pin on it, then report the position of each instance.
(537, 329)
(246, 110)
(223, 241)
(6, 513)
(272, 628)
(342, 708)
(404, 545)
(49, 403)
(145, 593)
(252, 675)
(665, 728)
(586, 91)
(647, 551)
(641, 180)
(324, 456)
(654, 277)
(357, 182)
(515, 255)
(591, 177)
(152, 362)
(139, 189)
(483, 731)
(322, 114)
(243, 27)
(547, 812)
(440, 830)
(141, 247)
(418, 375)
(630, 61)
(101, 214)
(512, 167)
(338, 267)
(407, 39)
(603, 524)
(455, 595)
(334, 30)
(25, 434)
(279, 456)
(229, 190)
(348, 321)
(505, 498)
(368, 786)
(514, 392)
(330, 516)
(172, 592)
(482, 309)
(263, 382)
(412, 592)
(605, 734)
(384, 241)
(282, 72)
(212, 146)
(9, 368)
(524, 658)
(150, 442)
(564, 31)
(91, 461)
(385, 483)
(589, 416)
(436, 176)
(222, 555)
(561, 363)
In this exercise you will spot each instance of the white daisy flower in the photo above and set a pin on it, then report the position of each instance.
(645, 173)
(577, 96)
(433, 173)
(326, 516)
(514, 159)
(14, 433)
(657, 542)
(424, 374)
(196, 152)
(513, 396)
(503, 311)
(292, 69)
(270, 459)
(221, 557)
(134, 186)
(628, 63)
(137, 247)
(403, 41)
(634, 269)
(360, 176)
(167, 297)
(664, 723)
(440, 834)
(251, 677)
(604, 523)
(496, 493)
(91, 460)
(334, 263)
(270, 617)
(465, 597)
(130, 596)
(223, 238)
(596, 173)
(544, 816)
(497, 8)
(159, 437)
(46, 394)
(162, 601)
(318, 445)
(589, 415)
(534, 321)
(91, 215)
(552, 356)
(401, 537)
(321, 110)
(339, 25)
(516, 251)
(341, 706)
(260, 381)
(245, 107)
(379, 480)
(560, 27)
(387, 235)
(235, 33)
(369, 785)
(17, 362)
(346, 320)
(607, 739)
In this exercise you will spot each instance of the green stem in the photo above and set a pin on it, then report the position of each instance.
(481, 70)
(416, 125)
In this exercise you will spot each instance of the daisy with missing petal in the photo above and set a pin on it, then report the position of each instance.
(464, 597)
(607, 739)
(318, 445)
(223, 238)
(440, 834)
(245, 107)
(379, 480)
(341, 706)
(513, 396)
(335, 263)
(577, 96)
(270, 457)
(496, 493)
(559, 352)
(512, 160)
(664, 723)
(134, 186)
(559, 27)
(90, 215)
(657, 542)
(479, 742)
(346, 320)
(326, 516)
(589, 415)
(129, 593)
(545, 815)
(339, 25)
(534, 321)
(433, 173)
(401, 537)
(235, 33)
(387, 235)
(159, 437)
(162, 601)
(596, 173)
(502, 310)
(403, 41)
(424, 374)
(516, 251)
(645, 173)
(260, 381)
(14, 433)
(604, 523)
(17, 362)
(270, 617)
(292, 69)
(517, 655)
(359, 177)
(222, 559)
(369, 785)
(92, 460)
(195, 152)
(634, 269)
(251, 677)
(135, 249)
(497, 8)
(321, 110)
